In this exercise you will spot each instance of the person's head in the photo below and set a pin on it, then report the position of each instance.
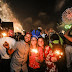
(54, 37)
(40, 42)
(40, 29)
(27, 37)
(33, 41)
(51, 30)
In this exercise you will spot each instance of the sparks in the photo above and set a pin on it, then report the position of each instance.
(35, 50)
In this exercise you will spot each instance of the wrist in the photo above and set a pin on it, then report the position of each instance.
(65, 35)
(7, 48)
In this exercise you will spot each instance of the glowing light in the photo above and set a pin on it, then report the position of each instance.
(57, 52)
(63, 31)
(8, 16)
(67, 26)
(59, 56)
(61, 53)
(35, 50)
(23, 30)
(4, 34)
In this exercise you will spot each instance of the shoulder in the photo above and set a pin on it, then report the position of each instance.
(40, 48)
(47, 47)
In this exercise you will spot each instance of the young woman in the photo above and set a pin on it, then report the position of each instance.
(41, 46)
(41, 42)
(35, 56)
(50, 59)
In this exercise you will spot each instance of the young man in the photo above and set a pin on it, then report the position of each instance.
(21, 48)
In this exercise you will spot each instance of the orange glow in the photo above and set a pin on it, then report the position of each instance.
(8, 16)
(61, 53)
(59, 56)
(35, 50)
(57, 52)
(4, 34)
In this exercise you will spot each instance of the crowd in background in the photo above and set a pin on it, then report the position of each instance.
(35, 51)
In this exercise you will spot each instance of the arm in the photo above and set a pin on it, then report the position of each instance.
(68, 37)
(9, 51)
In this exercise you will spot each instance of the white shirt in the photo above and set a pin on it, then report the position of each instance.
(3, 52)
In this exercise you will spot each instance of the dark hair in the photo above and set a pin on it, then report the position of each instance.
(41, 37)
(54, 37)
(43, 40)
(39, 30)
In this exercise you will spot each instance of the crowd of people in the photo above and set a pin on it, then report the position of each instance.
(36, 51)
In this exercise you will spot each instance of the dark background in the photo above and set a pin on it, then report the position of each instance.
(35, 13)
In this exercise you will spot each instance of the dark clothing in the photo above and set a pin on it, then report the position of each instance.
(35, 70)
(5, 65)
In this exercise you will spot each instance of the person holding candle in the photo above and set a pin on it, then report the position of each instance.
(35, 55)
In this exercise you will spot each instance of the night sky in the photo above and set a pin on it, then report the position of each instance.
(53, 9)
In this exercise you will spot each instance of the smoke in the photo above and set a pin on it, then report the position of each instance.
(7, 16)
(59, 4)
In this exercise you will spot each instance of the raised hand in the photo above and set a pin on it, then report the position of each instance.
(6, 45)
